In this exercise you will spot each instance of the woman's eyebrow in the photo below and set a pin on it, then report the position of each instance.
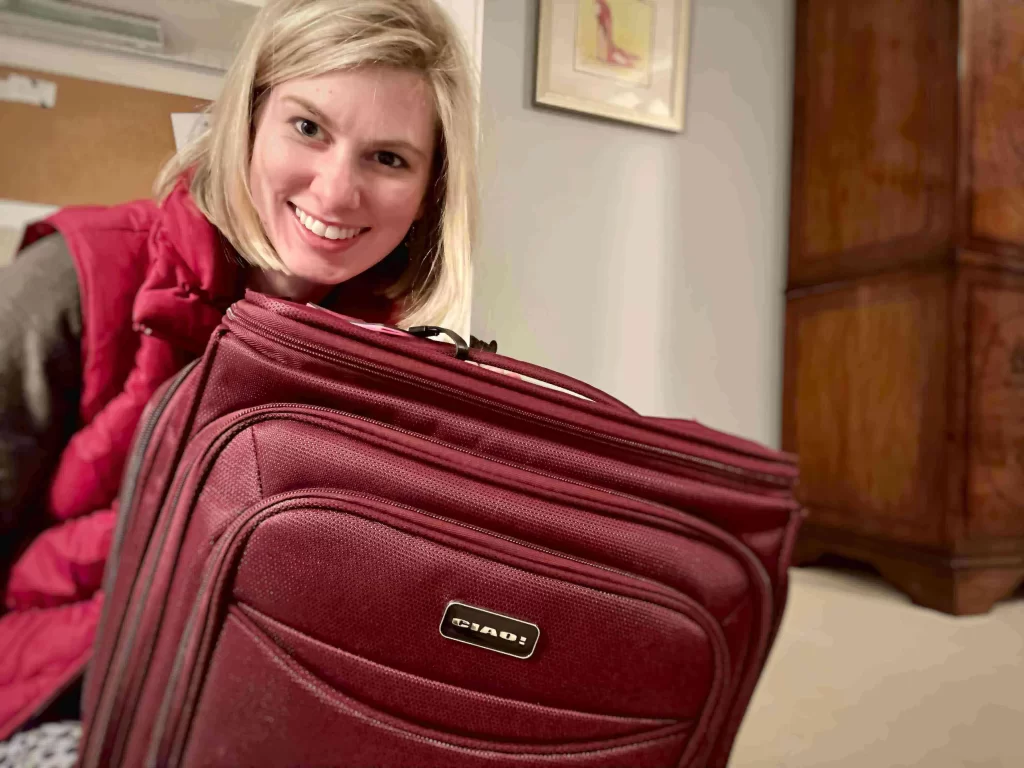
(309, 107)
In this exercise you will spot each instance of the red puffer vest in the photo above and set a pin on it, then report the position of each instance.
(154, 282)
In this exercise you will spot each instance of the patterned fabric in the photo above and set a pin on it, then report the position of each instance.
(54, 745)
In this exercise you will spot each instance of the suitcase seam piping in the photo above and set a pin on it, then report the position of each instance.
(256, 459)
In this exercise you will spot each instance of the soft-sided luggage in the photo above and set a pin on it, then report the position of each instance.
(343, 545)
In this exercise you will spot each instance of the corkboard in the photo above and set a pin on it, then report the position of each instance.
(101, 144)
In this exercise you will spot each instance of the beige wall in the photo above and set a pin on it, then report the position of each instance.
(648, 264)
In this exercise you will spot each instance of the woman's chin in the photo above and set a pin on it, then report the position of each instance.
(290, 285)
(322, 268)
(318, 269)
(324, 278)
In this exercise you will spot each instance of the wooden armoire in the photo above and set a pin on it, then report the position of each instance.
(904, 368)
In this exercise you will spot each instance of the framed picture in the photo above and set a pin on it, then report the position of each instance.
(617, 59)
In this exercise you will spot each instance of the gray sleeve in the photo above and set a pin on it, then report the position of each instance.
(40, 380)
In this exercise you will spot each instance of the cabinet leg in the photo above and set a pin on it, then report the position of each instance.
(963, 592)
(930, 580)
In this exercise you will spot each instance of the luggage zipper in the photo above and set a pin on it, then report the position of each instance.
(502, 462)
(249, 417)
(127, 495)
(331, 355)
(199, 609)
(270, 409)
(127, 498)
(723, 538)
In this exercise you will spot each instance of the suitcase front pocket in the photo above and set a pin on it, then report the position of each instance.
(438, 705)
(293, 717)
(370, 581)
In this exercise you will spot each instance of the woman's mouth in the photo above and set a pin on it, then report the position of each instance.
(322, 230)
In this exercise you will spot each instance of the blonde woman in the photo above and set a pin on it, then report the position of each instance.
(338, 169)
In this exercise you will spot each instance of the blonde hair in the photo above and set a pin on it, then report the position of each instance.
(306, 38)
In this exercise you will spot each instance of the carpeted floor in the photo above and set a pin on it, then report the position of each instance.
(861, 678)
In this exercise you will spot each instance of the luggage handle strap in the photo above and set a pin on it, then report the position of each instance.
(463, 352)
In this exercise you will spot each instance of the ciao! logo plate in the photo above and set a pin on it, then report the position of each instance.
(489, 630)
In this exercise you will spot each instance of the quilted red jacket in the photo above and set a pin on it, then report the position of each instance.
(154, 282)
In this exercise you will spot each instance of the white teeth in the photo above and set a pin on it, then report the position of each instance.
(328, 232)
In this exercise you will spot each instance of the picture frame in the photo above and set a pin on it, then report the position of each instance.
(623, 60)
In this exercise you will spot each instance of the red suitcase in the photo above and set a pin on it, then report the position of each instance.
(346, 547)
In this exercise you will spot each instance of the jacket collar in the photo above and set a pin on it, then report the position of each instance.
(193, 275)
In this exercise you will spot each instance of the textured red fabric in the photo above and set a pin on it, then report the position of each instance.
(154, 282)
(40, 651)
(63, 565)
(89, 471)
(312, 497)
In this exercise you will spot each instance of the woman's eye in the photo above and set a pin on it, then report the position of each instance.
(390, 159)
(307, 128)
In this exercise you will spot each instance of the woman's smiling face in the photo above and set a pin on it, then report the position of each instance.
(340, 168)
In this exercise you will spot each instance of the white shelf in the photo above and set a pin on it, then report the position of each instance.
(200, 44)
(107, 67)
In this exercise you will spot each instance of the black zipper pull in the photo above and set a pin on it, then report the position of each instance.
(429, 331)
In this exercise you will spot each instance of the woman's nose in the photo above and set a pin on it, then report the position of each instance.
(337, 185)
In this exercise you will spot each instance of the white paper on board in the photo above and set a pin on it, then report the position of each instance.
(28, 90)
(186, 126)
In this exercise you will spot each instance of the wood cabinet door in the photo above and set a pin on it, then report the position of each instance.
(992, 125)
(874, 136)
(988, 423)
(865, 405)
